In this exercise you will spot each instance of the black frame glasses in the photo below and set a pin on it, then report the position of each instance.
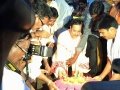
(21, 48)
(41, 22)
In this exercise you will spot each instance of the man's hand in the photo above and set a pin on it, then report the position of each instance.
(52, 86)
(70, 61)
(97, 78)
(44, 71)
(73, 59)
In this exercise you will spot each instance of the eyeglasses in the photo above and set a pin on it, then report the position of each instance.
(41, 22)
(26, 56)
(21, 48)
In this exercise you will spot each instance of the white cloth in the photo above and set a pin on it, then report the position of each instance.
(34, 67)
(113, 48)
(44, 41)
(83, 60)
(66, 48)
(13, 81)
(64, 12)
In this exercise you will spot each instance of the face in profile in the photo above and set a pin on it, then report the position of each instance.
(52, 21)
(37, 23)
(75, 31)
(45, 20)
(108, 34)
(18, 52)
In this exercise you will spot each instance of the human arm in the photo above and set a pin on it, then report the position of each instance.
(49, 82)
(72, 60)
(86, 32)
(81, 45)
(105, 72)
(41, 34)
(29, 85)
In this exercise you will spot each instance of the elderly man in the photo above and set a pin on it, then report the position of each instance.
(13, 70)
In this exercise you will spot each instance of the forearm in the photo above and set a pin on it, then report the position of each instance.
(106, 70)
(44, 78)
(45, 60)
(29, 85)
(76, 55)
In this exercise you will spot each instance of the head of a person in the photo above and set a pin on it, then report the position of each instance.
(76, 27)
(108, 27)
(96, 8)
(43, 14)
(79, 9)
(18, 52)
(54, 16)
(116, 65)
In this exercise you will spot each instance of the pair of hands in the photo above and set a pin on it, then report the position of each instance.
(51, 84)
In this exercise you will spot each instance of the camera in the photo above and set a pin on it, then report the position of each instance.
(40, 50)
(27, 57)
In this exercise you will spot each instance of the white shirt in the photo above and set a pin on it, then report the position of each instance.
(113, 48)
(64, 12)
(34, 67)
(66, 48)
(13, 81)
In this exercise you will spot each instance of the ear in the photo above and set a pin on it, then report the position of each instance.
(111, 29)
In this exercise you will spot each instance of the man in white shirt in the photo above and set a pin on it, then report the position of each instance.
(12, 76)
(66, 46)
(110, 30)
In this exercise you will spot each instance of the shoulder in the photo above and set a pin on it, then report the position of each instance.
(64, 33)
(12, 80)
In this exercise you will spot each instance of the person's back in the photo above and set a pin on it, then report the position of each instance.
(94, 43)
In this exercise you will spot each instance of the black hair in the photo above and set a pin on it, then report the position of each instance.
(77, 22)
(24, 35)
(107, 22)
(54, 12)
(116, 65)
(79, 9)
(118, 6)
(96, 7)
(42, 9)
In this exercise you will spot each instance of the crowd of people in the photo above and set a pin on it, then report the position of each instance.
(81, 35)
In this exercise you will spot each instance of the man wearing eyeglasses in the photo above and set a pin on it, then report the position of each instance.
(43, 14)
(13, 76)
